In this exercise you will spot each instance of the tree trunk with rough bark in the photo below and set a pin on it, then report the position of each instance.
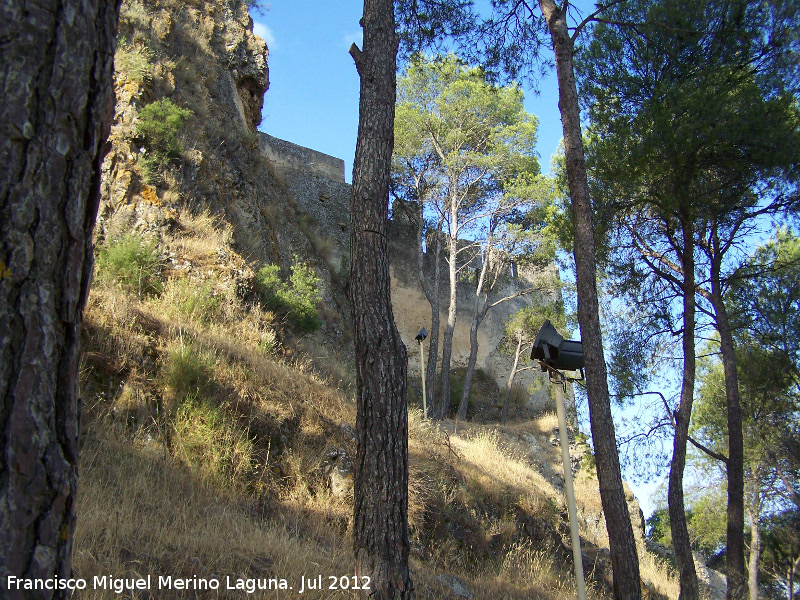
(380, 511)
(624, 559)
(687, 575)
(754, 510)
(57, 72)
(432, 294)
(436, 306)
(510, 384)
(734, 553)
(480, 310)
(473, 359)
(447, 342)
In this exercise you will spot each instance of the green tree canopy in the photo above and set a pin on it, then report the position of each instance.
(464, 152)
(479, 135)
(695, 129)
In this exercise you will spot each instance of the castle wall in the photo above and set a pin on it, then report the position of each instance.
(314, 186)
(315, 182)
(287, 155)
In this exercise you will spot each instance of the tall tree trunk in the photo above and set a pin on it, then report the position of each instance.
(737, 589)
(380, 511)
(689, 587)
(57, 73)
(477, 317)
(473, 358)
(624, 560)
(432, 294)
(510, 384)
(753, 513)
(447, 343)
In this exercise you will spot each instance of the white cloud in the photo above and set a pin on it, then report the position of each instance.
(353, 38)
(265, 33)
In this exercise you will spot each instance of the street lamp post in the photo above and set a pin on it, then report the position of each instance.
(420, 337)
(555, 354)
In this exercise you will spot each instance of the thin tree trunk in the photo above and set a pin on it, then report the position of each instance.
(755, 543)
(510, 384)
(624, 559)
(380, 511)
(473, 358)
(434, 300)
(447, 342)
(56, 65)
(477, 317)
(687, 575)
(737, 589)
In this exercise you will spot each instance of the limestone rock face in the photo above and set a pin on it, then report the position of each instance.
(246, 55)
(167, 54)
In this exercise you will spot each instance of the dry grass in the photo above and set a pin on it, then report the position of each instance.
(660, 576)
(203, 235)
(140, 513)
(200, 449)
(221, 476)
(484, 451)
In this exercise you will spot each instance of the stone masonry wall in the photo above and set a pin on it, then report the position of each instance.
(285, 154)
(315, 181)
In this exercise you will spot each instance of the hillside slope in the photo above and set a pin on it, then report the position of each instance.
(218, 416)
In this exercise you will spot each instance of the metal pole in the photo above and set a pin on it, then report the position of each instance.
(424, 396)
(570, 490)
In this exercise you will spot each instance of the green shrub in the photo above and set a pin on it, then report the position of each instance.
(197, 302)
(208, 441)
(134, 62)
(298, 297)
(133, 263)
(457, 377)
(160, 122)
(269, 282)
(187, 374)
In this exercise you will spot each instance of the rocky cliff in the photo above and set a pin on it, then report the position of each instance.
(202, 57)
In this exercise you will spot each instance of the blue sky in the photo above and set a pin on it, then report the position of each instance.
(313, 95)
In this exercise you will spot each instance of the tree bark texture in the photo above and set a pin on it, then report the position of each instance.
(432, 294)
(624, 559)
(689, 587)
(734, 553)
(473, 358)
(380, 512)
(753, 513)
(478, 315)
(57, 74)
(433, 346)
(447, 342)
